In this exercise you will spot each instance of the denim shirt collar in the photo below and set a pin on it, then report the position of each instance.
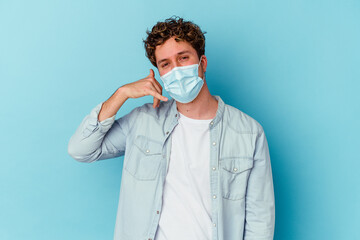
(219, 111)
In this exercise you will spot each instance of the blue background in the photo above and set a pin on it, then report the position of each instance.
(292, 65)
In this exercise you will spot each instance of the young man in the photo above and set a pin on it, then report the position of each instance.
(194, 167)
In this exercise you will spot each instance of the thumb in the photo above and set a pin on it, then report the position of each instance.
(151, 73)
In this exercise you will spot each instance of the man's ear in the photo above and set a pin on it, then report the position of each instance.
(204, 63)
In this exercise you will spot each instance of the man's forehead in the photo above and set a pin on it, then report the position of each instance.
(178, 53)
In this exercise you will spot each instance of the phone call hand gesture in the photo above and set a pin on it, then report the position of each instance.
(146, 86)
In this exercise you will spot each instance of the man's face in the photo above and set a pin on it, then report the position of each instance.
(176, 54)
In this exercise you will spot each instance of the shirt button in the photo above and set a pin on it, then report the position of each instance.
(150, 239)
(175, 115)
(235, 169)
(214, 224)
(212, 123)
(214, 168)
(214, 143)
(167, 133)
(157, 212)
(147, 150)
(214, 196)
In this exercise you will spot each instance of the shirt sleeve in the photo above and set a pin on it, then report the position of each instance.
(260, 201)
(94, 140)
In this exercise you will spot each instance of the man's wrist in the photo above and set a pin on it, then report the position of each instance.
(121, 93)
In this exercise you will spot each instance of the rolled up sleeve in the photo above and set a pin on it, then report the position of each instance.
(260, 201)
(94, 140)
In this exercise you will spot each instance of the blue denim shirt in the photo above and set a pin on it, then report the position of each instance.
(241, 184)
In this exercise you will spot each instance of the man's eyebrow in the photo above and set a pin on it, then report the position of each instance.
(179, 53)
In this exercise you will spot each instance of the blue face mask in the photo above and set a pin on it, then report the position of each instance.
(183, 83)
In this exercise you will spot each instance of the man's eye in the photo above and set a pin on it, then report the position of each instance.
(164, 65)
(183, 58)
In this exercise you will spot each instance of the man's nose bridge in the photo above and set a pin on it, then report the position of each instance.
(177, 64)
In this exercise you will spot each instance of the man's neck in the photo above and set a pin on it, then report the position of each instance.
(203, 107)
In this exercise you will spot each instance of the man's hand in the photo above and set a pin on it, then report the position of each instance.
(144, 87)
(140, 88)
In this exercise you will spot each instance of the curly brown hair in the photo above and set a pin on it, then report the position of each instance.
(174, 27)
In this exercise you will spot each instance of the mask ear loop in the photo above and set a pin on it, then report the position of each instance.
(199, 66)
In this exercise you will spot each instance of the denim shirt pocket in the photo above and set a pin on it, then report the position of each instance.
(144, 158)
(234, 174)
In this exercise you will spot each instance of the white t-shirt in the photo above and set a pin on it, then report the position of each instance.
(186, 210)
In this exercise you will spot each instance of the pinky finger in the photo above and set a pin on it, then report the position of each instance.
(157, 95)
